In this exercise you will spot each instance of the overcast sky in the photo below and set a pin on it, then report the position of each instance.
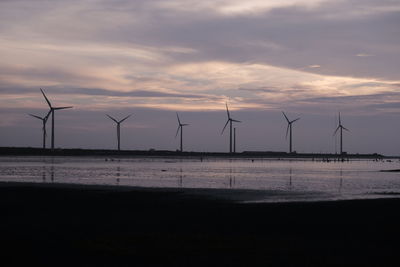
(152, 58)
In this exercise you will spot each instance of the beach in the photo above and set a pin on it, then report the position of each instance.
(83, 225)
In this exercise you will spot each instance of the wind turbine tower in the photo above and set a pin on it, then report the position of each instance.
(119, 128)
(230, 121)
(44, 121)
(180, 127)
(341, 128)
(234, 140)
(289, 130)
(52, 109)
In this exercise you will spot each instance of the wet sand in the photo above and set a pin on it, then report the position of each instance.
(66, 225)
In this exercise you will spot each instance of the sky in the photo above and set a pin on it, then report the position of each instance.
(153, 58)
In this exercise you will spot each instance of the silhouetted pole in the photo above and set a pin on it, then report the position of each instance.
(119, 135)
(52, 129)
(290, 135)
(234, 140)
(44, 134)
(341, 141)
(230, 136)
(181, 138)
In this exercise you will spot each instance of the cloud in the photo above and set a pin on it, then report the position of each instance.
(304, 56)
(364, 55)
(279, 33)
(234, 7)
(100, 92)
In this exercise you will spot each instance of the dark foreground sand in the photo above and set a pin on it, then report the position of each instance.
(56, 225)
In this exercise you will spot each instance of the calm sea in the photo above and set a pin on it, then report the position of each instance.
(266, 180)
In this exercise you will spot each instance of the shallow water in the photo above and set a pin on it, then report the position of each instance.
(266, 180)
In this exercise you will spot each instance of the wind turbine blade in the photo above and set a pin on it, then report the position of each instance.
(336, 130)
(177, 116)
(235, 120)
(37, 117)
(287, 130)
(227, 111)
(295, 120)
(125, 118)
(286, 117)
(340, 122)
(344, 128)
(45, 97)
(112, 118)
(225, 126)
(57, 108)
(185, 124)
(177, 131)
(48, 115)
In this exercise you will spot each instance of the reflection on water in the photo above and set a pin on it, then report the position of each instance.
(180, 177)
(340, 180)
(232, 179)
(118, 174)
(47, 173)
(52, 173)
(44, 174)
(284, 179)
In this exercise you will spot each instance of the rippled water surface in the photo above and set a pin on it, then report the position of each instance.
(253, 179)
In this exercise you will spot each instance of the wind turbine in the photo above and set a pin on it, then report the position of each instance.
(341, 127)
(289, 128)
(119, 128)
(180, 126)
(230, 121)
(44, 121)
(52, 109)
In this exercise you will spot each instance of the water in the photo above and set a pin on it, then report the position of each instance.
(266, 180)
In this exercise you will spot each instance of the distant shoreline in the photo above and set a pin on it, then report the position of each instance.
(30, 151)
